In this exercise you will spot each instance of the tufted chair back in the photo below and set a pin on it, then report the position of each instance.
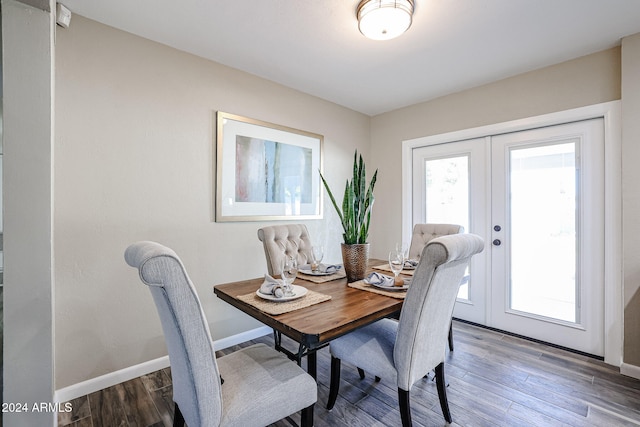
(280, 241)
(424, 233)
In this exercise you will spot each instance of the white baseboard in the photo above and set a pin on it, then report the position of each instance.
(632, 371)
(108, 380)
(223, 343)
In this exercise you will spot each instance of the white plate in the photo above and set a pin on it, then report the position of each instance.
(315, 273)
(407, 282)
(298, 292)
(391, 288)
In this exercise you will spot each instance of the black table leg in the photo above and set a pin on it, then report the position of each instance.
(312, 366)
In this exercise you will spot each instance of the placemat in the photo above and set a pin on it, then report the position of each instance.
(275, 308)
(322, 279)
(364, 287)
(385, 267)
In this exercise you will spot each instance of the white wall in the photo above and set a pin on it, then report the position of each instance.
(28, 287)
(134, 151)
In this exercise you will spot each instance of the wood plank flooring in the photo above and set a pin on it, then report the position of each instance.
(494, 380)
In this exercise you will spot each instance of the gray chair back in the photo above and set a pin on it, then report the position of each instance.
(428, 307)
(196, 380)
(424, 233)
(280, 241)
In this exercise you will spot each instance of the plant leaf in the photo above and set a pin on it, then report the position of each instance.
(357, 203)
(333, 200)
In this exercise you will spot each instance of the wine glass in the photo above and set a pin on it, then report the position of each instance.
(396, 263)
(317, 253)
(404, 248)
(289, 273)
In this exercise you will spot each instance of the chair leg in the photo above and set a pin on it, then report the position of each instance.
(178, 419)
(451, 336)
(405, 407)
(442, 392)
(334, 383)
(361, 373)
(307, 417)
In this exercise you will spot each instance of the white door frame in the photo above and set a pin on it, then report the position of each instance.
(610, 112)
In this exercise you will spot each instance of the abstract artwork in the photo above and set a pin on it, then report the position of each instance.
(266, 171)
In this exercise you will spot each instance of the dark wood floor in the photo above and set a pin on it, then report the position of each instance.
(494, 380)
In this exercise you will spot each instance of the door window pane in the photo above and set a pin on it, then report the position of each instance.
(447, 197)
(543, 230)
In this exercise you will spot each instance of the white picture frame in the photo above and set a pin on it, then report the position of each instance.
(266, 172)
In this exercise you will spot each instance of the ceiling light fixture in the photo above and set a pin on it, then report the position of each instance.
(384, 19)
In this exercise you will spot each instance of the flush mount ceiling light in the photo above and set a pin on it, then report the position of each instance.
(384, 19)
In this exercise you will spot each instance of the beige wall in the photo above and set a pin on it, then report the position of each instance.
(631, 196)
(133, 160)
(605, 76)
(584, 81)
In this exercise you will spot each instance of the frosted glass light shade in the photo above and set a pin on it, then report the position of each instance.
(384, 19)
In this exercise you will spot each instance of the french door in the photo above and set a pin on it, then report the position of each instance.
(537, 197)
(450, 187)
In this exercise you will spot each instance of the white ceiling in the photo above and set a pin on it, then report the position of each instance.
(315, 46)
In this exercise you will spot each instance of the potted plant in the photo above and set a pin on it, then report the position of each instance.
(355, 216)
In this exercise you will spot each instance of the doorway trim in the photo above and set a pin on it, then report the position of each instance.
(610, 113)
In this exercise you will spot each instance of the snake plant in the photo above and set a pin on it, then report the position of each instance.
(357, 202)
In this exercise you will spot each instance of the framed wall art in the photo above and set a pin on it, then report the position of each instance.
(266, 171)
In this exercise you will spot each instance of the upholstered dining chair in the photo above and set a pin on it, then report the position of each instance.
(252, 386)
(281, 241)
(423, 234)
(405, 351)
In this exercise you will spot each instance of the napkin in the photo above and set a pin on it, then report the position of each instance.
(331, 268)
(379, 279)
(272, 286)
(410, 263)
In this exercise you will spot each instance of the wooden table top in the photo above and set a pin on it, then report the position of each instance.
(314, 326)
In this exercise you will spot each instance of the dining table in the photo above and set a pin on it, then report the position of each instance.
(330, 308)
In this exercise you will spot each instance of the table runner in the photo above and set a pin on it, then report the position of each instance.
(322, 279)
(386, 267)
(275, 308)
(360, 284)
